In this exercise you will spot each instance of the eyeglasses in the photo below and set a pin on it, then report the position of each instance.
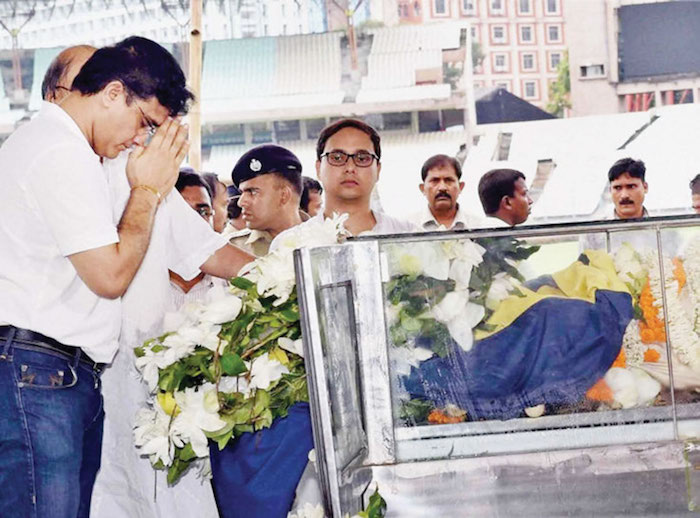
(360, 159)
(152, 128)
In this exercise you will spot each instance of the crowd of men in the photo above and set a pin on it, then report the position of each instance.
(103, 233)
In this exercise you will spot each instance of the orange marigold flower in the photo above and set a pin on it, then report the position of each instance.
(651, 355)
(647, 335)
(679, 272)
(621, 360)
(600, 391)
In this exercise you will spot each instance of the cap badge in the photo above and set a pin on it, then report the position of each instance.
(255, 165)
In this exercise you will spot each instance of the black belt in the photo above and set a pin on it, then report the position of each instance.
(32, 338)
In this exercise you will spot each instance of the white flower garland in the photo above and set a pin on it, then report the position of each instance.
(632, 344)
(684, 340)
(691, 261)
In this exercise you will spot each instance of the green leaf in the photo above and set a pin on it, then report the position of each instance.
(376, 507)
(415, 411)
(232, 364)
(176, 469)
(187, 453)
(289, 315)
(139, 352)
(242, 283)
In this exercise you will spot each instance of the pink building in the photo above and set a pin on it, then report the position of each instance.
(522, 41)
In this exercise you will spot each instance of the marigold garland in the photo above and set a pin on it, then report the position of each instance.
(679, 273)
(437, 416)
(652, 328)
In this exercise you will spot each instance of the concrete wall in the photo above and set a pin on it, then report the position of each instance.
(591, 39)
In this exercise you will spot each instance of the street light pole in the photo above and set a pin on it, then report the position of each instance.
(195, 80)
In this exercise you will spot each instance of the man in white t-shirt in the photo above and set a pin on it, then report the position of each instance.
(180, 242)
(442, 184)
(505, 198)
(64, 264)
(348, 154)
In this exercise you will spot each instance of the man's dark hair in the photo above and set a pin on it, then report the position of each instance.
(496, 184)
(695, 185)
(188, 178)
(335, 127)
(211, 179)
(144, 68)
(635, 168)
(440, 161)
(309, 185)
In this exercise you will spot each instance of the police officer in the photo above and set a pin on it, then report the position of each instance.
(269, 178)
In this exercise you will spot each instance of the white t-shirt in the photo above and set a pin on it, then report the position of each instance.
(54, 202)
(181, 241)
(385, 225)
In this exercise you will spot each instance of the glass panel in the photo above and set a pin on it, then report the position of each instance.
(336, 317)
(681, 279)
(497, 338)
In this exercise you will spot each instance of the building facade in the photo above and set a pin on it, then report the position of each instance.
(518, 44)
(632, 55)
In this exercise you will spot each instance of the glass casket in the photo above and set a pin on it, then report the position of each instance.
(549, 370)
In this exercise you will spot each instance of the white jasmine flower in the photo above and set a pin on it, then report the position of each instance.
(150, 363)
(623, 385)
(293, 346)
(264, 371)
(224, 309)
(461, 328)
(460, 316)
(466, 255)
(197, 415)
(151, 435)
(501, 286)
(312, 455)
(403, 358)
(308, 511)
(451, 306)
(421, 258)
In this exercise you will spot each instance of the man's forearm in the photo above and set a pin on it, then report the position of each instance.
(226, 262)
(135, 228)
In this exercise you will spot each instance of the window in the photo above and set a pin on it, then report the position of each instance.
(474, 34)
(314, 127)
(439, 7)
(503, 84)
(554, 60)
(530, 89)
(468, 6)
(396, 121)
(526, 34)
(498, 34)
(496, 6)
(287, 130)
(525, 6)
(551, 6)
(500, 62)
(528, 62)
(593, 71)
(553, 34)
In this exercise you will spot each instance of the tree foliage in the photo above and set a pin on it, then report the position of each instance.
(560, 90)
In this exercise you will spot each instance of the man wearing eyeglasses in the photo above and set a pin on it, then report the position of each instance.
(348, 164)
(64, 264)
(67, 258)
